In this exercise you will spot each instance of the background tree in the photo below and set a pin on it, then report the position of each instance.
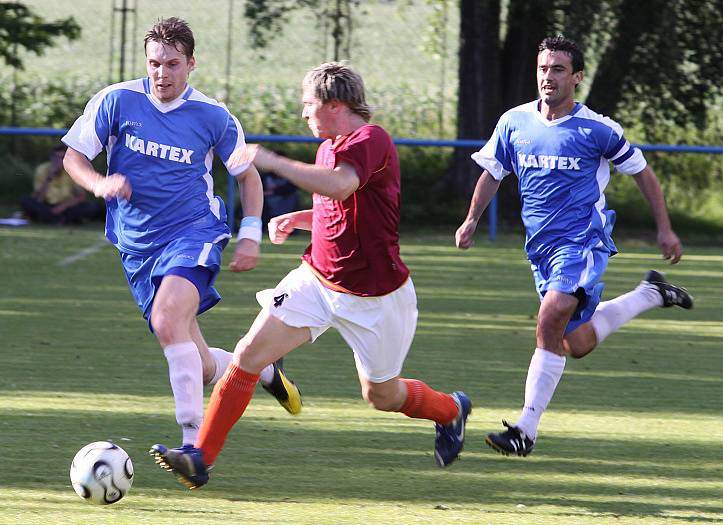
(336, 19)
(659, 60)
(20, 28)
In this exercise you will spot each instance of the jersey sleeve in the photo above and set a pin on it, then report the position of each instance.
(367, 152)
(90, 132)
(495, 156)
(626, 158)
(232, 140)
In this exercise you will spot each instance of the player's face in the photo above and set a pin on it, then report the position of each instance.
(318, 116)
(555, 80)
(168, 68)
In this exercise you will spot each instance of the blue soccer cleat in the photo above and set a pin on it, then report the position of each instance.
(450, 438)
(185, 462)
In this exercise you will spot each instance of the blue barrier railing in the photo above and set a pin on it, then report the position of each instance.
(463, 143)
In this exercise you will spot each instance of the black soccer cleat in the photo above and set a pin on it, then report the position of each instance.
(672, 295)
(511, 441)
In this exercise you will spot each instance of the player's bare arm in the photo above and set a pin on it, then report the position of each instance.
(82, 172)
(670, 245)
(282, 226)
(338, 183)
(485, 189)
(246, 254)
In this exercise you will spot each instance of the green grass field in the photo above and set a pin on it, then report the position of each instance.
(633, 436)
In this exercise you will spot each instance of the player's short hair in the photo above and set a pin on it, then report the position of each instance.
(560, 43)
(338, 81)
(172, 32)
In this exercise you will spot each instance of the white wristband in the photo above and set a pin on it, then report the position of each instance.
(250, 229)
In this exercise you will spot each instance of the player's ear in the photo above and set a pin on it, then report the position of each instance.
(191, 64)
(578, 76)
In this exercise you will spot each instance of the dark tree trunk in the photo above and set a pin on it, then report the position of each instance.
(478, 105)
(635, 20)
(528, 23)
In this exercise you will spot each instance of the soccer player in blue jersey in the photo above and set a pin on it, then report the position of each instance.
(160, 136)
(560, 151)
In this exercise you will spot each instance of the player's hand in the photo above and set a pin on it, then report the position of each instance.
(670, 246)
(245, 256)
(280, 228)
(465, 234)
(115, 185)
(259, 156)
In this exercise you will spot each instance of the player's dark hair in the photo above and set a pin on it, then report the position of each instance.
(560, 43)
(337, 81)
(172, 32)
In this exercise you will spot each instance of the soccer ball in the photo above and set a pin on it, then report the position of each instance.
(101, 472)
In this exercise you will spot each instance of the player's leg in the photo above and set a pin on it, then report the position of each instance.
(653, 291)
(568, 285)
(274, 378)
(380, 331)
(543, 375)
(267, 340)
(173, 315)
(293, 319)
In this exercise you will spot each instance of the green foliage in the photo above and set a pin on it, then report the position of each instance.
(46, 102)
(267, 19)
(21, 28)
(692, 183)
(17, 177)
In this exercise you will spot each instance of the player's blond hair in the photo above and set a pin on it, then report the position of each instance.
(338, 81)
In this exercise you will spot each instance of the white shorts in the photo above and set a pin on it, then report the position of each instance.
(378, 329)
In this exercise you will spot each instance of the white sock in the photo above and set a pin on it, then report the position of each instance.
(185, 371)
(542, 377)
(609, 316)
(267, 375)
(222, 358)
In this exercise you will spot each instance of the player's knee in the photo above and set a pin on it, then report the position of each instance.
(247, 356)
(580, 342)
(380, 400)
(163, 326)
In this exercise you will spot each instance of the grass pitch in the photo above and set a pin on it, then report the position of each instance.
(633, 435)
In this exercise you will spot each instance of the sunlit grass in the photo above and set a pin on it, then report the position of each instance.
(634, 434)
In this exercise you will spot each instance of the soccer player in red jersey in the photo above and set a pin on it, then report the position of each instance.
(351, 278)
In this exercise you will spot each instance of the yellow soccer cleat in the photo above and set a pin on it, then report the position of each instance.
(284, 390)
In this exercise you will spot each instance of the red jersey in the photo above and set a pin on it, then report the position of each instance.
(355, 243)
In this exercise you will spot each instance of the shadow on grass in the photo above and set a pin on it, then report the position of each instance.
(282, 459)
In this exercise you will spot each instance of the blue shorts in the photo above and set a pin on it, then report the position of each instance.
(575, 270)
(193, 259)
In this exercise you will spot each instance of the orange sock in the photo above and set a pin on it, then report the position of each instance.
(424, 403)
(229, 400)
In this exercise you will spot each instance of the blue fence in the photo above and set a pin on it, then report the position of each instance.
(492, 210)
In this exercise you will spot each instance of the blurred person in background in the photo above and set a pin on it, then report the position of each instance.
(56, 198)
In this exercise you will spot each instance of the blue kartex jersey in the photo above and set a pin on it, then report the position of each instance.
(166, 151)
(562, 167)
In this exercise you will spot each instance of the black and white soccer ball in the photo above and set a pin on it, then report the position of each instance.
(101, 472)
